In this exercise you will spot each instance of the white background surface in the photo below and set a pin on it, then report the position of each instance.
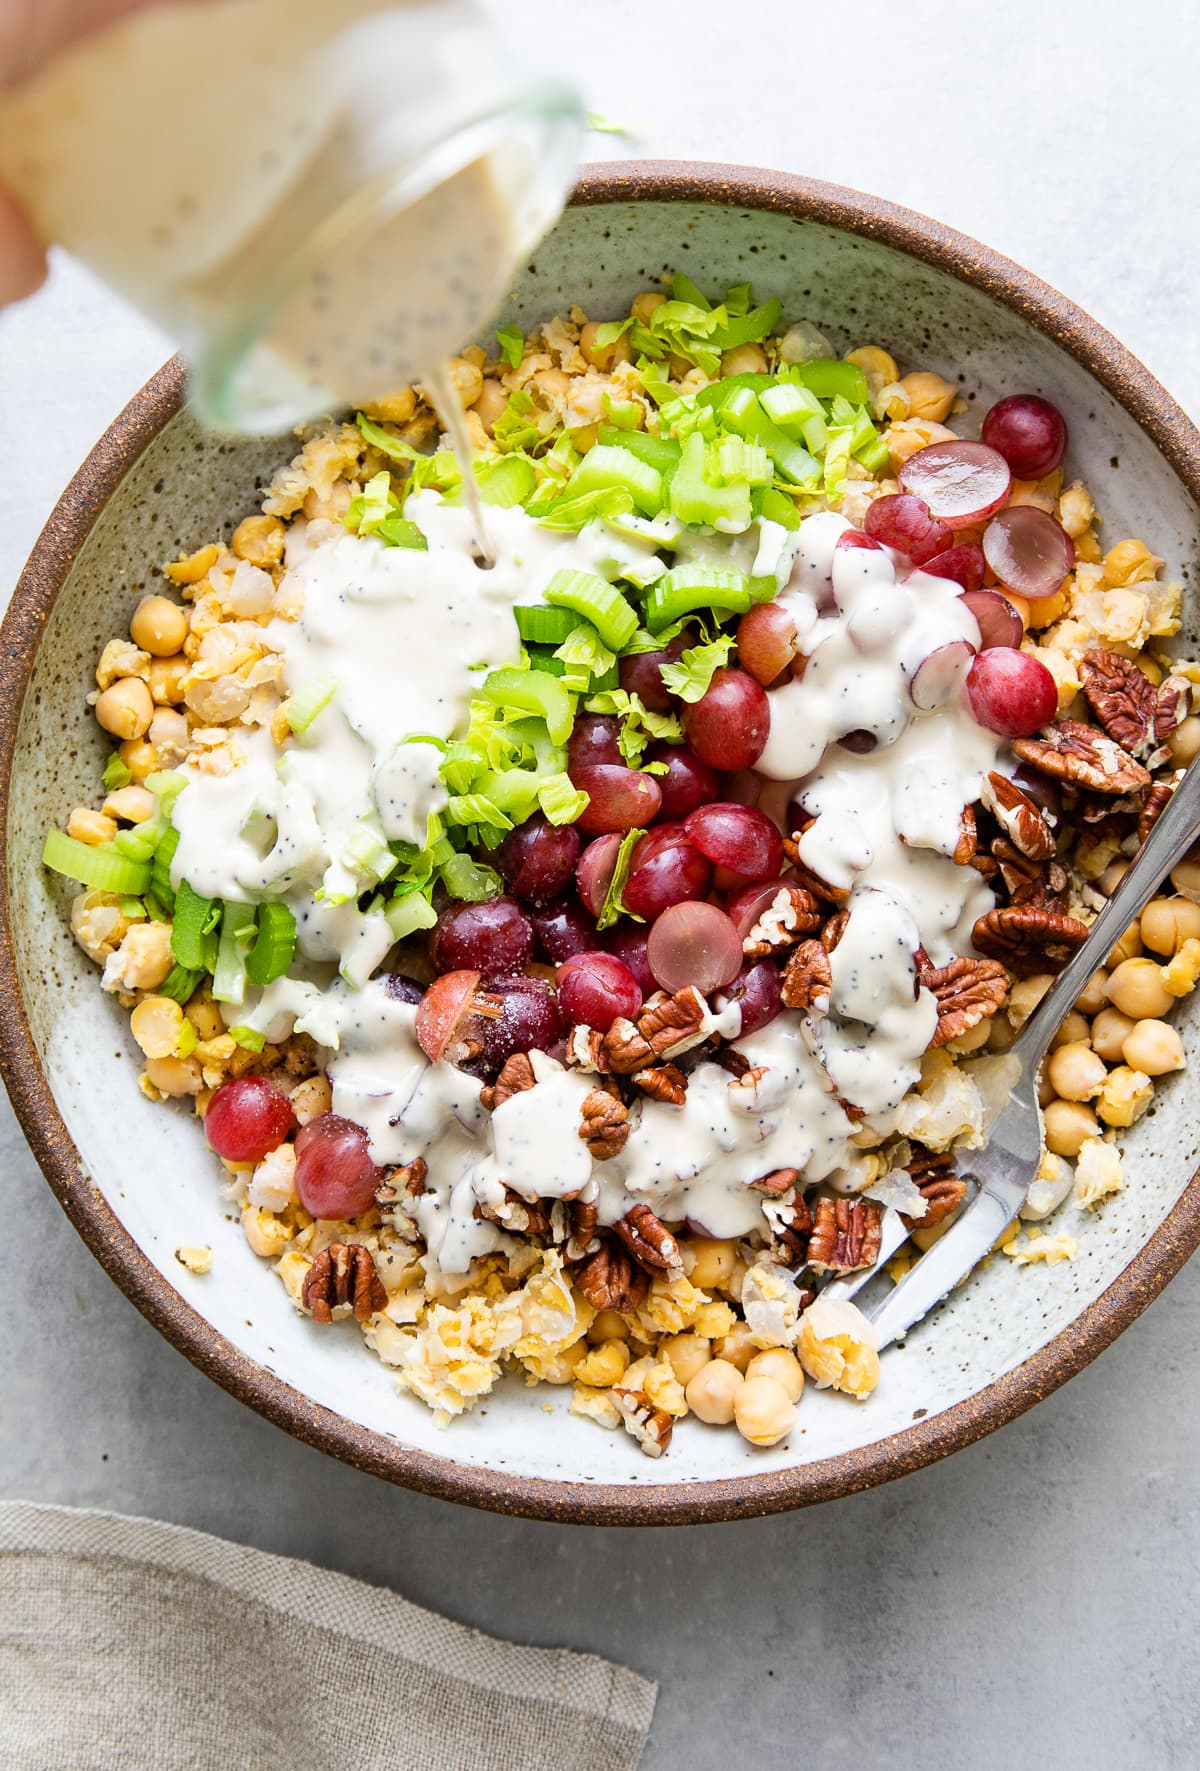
(1031, 1601)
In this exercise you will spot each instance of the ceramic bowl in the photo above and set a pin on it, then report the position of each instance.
(137, 1181)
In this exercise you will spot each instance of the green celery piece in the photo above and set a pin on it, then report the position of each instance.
(160, 868)
(742, 413)
(828, 378)
(406, 915)
(398, 531)
(661, 453)
(180, 984)
(533, 691)
(744, 463)
(598, 602)
(686, 588)
(229, 973)
(543, 626)
(116, 773)
(542, 658)
(613, 467)
(560, 799)
(512, 344)
(776, 507)
(194, 919)
(469, 881)
(248, 1038)
(310, 700)
(512, 791)
(612, 907)
(694, 501)
(749, 328)
(274, 945)
(103, 867)
(507, 482)
(717, 392)
(683, 289)
(797, 411)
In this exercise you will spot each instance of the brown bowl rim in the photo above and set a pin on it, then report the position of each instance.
(922, 1442)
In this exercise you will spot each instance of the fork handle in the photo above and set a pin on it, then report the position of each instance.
(1177, 829)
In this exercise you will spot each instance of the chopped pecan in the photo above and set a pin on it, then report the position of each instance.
(650, 1426)
(605, 1127)
(812, 882)
(1171, 707)
(1084, 756)
(520, 1217)
(967, 846)
(1028, 940)
(794, 1236)
(943, 1192)
(649, 1242)
(408, 1180)
(846, 1235)
(808, 978)
(675, 1023)
(834, 929)
(611, 1280)
(778, 1182)
(343, 1273)
(625, 1048)
(1041, 883)
(967, 992)
(791, 914)
(1122, 698)
(514, 1079)
(582, 1241)
(1019, 816)
(663, 1082)
(736, 1064)
(1154, 804)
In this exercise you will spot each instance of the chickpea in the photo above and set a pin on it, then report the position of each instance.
(780, 1365)
(1110, 1030)
(159, 626)
(1128, 947)
(603, 1366)
(258, 541)
(1168, 922)
(678, 367)
(1184, 742)
(1045, 1090)
(744, 359)
(584, 404)
(174, 1076)
(1112, 876)
(1137, 989)
(1001, 1034)
(603, 356)
(973, 1040)
(132, 805)
(561, 1367)
(737, 1348)
(146, 951)
(712, 1262)
(929, 396)
(687, 1354)
(553, 384)
(1153, 1047)
(205, 1017)
(140, 757)
(91, 827)
(1075, 1072)
(642, 306)
(166, 680)
(168, 736)
(311, 1098)
(876, 364)
(1025, 995)
(1075, 509)
(396, 407)
(155, 1024)
(711, 1394)
(266, 1234)
(493, 398)
(763, 1411)
(1093, 997)
(1129, 562)
(1073, 1031)
(126, 709)
(1068, 1125)
(608, 1326)
(1186, 879)
(466, 379)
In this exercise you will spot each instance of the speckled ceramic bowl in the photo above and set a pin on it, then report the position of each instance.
(137, 1181)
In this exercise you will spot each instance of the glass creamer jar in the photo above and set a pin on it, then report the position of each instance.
(319, 201)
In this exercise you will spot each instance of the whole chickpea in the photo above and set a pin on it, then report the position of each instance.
(1110, 1030)
(737, 1348)
(1128, 947)
(174, 1076)
(1186, 879)
(687, 1354)
(490, 403)
(166, 680)
(140, 757)
(553, 385)
(711, 1394)
(1068, 1124)
(782, 1366)
(1075, 1072)
(1073, 1030)
(159, 626)
(929, 396)
(465, 379)
(1112, 876)
(973, 1040)
(1184, 742)
(603, 356)
(1138, 990)
(763, 1411)
(712, 1262)
(311, 1098)
(1153, 1047)
(1025, 995)
(126, 708)
(744, 359)
(642, 306)
(608, 1326)
(1093, 997)
(259, 541)
(1168, 922)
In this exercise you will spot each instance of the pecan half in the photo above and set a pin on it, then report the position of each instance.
(343, 1273)
(736, 1064)
(650, 1426)
(611, 1280)
(585, 1049)
(793, 1238)
(812, 882)
(1171, 706)
(408, 1180)
(967, 846)
(1122, 698)
(514, 1079)
(1154, 803)
(943, 1192)
(1041, 883)
(675, 1023)
(967, 992)
(649, 1242)
(778, 1182)
(582, 1240)
(1028, 940)
(605, 1127)
(1080, 754)
(625, 1048)
(834, 929)
(1019, 816)
(520, 1217)
(663, 1082)
(791, 914)
(808, 978)
(846, 1235)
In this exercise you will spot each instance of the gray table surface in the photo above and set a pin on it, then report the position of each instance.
(1033, 1600)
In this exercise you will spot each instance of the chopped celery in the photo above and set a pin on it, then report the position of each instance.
(166, 785)
(874, 455)
(102, 867)
(229, 973)
(367, 853)
(533, 691)
(274, 944)
(406, 915)
(309, 701)
(776, 507)
(827, 378)
(116, 773)
(613, 466)
(686, 588)
(531, 734)
(572, 512)
(741, 462)
(543, 625)
(717, 392)
(139, 842)
(512, 344)
(468, 880)
(248, 1038)
(589, 596)
(132, 909)
(542, 658)
(476, 808)
(160, 867)
(585, 658)
(398, 531)
(560, 799)
(612, 906)
(660, 453)
(180, 984)
(694, 500)
(748, 328)
(797, 411)
(683, 289)
(195, 917)
(691, 675)
(506, 482)
(186, 1039)
(744, 414)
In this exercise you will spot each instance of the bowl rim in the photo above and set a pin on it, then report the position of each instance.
(600, 1503)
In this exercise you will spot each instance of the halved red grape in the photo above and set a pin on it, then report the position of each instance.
(667, 869)
(1011, 693)
(999, 623)
(594, 740)
(443, 1009)
(737, 837)
(538, 858)
(619, 798)
(961, 482)
(641, 674)
(745, 907)
(694, 944)
(597, 988)
(964, 562)
(593, 876)
(766, 641)
(628, 941)
(564, 928)
(727, 728)
(496, 935)
(1029, 432)
(529, 1020)
(906, 523)
(688, 782)
(335, 1177)
(758, 992)
(247, 1118)
(851, 538)
(1028, 551)
(938, 677)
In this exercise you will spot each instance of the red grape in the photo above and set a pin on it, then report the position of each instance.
(402, 989)
(335, 1177)
(629, 945)
(1011, 693)
(593, 876)
(746, 905)
(737, 837)
(593, 740)
(851, 538)
(247, 1118)
(938, 678)
(443, 1008)
(758, 991)
(688, 782)
(694, 944)
(901, 521)
(537, 859)
(1028, 551)
(563, 928)
(619, 798)
(529, 1020)
(964, 562)
(999, 623)
(1029, 432)
(496, 935)
(666, 870)
(597, 988)
(641, 674)
(727, 728)
(960, 481)
(766, 641)
(859, 742)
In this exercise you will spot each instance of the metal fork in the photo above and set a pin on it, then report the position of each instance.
(1004, 1169)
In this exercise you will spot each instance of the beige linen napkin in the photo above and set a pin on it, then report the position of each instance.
(127, 1644)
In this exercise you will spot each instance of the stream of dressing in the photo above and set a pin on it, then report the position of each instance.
(399, 631)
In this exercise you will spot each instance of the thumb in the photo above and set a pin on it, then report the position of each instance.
(22, 255)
